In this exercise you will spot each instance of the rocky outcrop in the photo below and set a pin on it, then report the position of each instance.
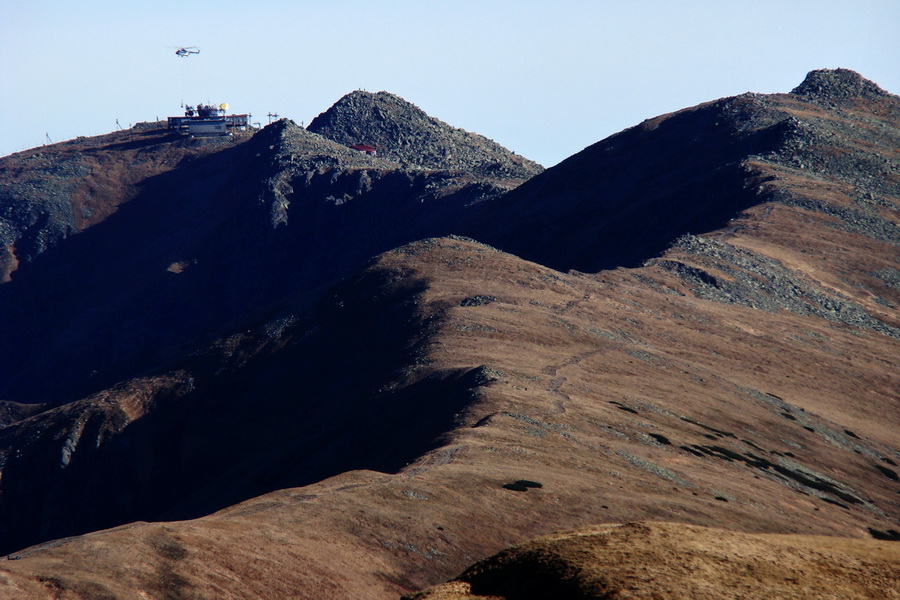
(723, 272)
(285, 145)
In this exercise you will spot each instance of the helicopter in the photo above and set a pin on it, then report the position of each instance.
(185, 52)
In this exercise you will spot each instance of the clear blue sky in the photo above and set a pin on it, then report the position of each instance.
(544, 79)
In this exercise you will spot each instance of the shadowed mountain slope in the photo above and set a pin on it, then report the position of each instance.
(449, 399)
(205, 245)
(286, 404)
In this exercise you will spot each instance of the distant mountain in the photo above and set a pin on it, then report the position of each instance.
(287, 368)
(401, 131)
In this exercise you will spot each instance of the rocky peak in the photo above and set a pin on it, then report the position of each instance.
(378, 105)
(401, 131)
(837, 84)
(286, 143)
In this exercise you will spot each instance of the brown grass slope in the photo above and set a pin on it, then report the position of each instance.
(664, 560)
(623, 401)
(745, 379)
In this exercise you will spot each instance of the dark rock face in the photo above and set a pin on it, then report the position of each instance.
(403, 132)
(837, 84)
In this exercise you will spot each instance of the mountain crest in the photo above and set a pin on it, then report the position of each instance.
(296, 353)
(837, 84)
(401, 131)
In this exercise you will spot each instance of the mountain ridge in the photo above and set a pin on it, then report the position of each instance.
(735, 368)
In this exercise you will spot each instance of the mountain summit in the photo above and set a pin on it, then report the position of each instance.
(838, 84)
(402, 131)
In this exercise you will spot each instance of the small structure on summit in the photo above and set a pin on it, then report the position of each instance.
(370, 150)
(208, 120)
